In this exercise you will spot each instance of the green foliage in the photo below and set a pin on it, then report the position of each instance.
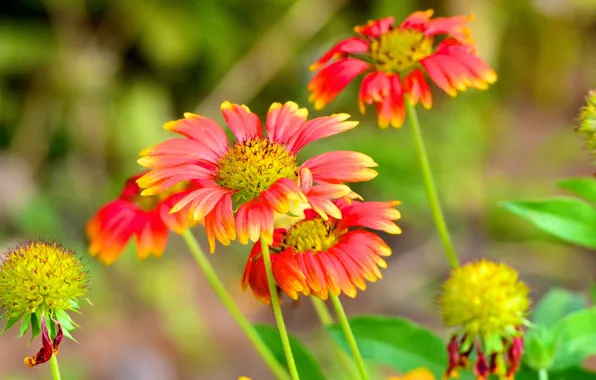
(308, 368)
(569, 219)
(396, 342)
(563, 332)
(585, 187)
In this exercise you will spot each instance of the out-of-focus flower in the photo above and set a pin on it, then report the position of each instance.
(40, 282)
(488, 304)
(586, 121)
(146, 218)
(396, 58)
(241, 185)
(416, 374)
(317, 256)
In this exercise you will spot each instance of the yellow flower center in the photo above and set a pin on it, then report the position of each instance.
(399, 50)
(40, 276)
(251, 166)
(315, 235)
(485, 298)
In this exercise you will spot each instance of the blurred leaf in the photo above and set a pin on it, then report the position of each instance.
(584, 187)
(567, 218)
(39, 217)
(576, 339)
(25, 324)
(570, 374)
(555, 305)
(593, 291)
(308, 368)
(540, 347)
(24, 46)
(396, 342)
(11, 321)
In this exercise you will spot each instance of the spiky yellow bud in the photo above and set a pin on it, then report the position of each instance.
(587, 121)
(41, 279)
(488, 304)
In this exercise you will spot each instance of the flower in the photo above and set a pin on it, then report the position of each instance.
(489, 304)
(317, 256)
(416, 374)
(241, 185)
(396, 59)
(587, 121)
(146, 218)
(39, 280)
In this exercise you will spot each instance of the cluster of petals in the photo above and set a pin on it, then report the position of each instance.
(125, 218)
(452, 64)
(226, 171)
(352, 256)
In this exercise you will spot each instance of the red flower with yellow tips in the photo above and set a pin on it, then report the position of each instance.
(145, 218)
(317, 257)
(396, 59)
(242, 184)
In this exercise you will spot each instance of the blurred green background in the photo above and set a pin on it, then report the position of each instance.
(85, 85)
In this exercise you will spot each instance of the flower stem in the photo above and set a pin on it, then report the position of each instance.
(234, 310)
(55, 369)
(429, 184)
(543, 374)
(327, 320)
(279, 319)
(345, 325)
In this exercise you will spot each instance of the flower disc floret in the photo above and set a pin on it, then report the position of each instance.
(399, 50)
(252, 166)
(586, 123)
(314, 235)
(40, 276)
(484, 298)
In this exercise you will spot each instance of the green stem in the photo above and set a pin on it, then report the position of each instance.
(234, 310)
(543, 374)
(55, 369)
(429, 184)
(327, 320)
(345, 325)
(279, 319)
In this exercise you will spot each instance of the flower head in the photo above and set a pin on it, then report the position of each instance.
(41, 280)
(242, 184)
(587, 121)
(489, 305)
(146, 218)
(396, 59)
(317, 256)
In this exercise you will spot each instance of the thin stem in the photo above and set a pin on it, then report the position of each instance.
(543, 374)
(279, 319)
(327, 320)
(429, 184)
(55, 369)
(345, 325)
(234, 310)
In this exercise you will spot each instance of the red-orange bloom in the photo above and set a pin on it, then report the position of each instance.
(146, 218)
(396, 59)
(318, 257)
(256, 175)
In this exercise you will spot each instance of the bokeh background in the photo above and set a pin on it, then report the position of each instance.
(85, 85)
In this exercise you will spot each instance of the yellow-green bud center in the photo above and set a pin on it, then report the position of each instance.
(251, 166)
(399, 50)
(40, 276)
(485, 298)
(315, 235)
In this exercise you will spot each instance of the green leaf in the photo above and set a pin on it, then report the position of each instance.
(35, 324)
(555, 305)
(570, 374)
(593, 291)
(567, 218)
(11, 321)
(576, 339)
(584, 187)
(308, 368)
(65, 320)
(25, 324)
(396, 342)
